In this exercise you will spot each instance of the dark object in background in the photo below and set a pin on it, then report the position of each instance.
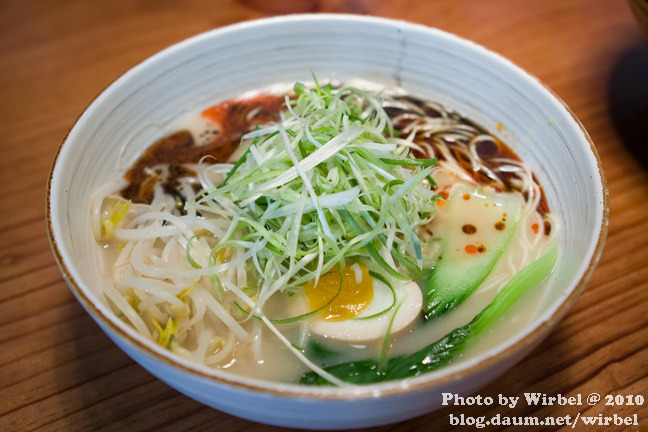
(628, 98)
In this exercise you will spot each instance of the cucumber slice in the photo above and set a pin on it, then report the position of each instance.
(477, 227)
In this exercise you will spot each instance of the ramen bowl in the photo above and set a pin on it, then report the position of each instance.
(137, 108)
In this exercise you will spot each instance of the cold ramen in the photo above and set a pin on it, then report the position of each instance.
(328, 235)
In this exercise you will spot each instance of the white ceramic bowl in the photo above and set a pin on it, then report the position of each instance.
(429, 63)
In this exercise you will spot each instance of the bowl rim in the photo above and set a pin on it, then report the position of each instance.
(327, 393)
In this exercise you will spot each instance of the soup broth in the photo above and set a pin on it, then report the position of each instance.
(283, 234)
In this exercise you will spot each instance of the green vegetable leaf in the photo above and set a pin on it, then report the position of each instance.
(441, 352)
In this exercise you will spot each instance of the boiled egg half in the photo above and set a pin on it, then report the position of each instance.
(361, 307)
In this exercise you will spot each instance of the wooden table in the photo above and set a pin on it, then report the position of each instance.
(58, 371)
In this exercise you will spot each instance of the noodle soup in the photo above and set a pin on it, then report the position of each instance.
(328, 235)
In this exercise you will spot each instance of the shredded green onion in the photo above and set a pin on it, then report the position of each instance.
(330, 182)
(384, 280)
(311, 313)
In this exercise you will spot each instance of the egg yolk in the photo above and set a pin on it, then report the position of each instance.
(354, 296)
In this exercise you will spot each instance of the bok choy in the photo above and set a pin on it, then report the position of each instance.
(446, 349)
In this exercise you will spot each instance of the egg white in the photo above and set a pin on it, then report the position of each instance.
(409, 300)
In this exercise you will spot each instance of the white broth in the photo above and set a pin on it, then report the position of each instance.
(275, 242)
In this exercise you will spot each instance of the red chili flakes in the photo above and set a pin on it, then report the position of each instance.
(466, 197)
(469, 229)
(471, 249)
(547, 228)
(500, 226)
(535, 227)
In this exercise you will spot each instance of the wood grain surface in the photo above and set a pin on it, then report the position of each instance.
(58, 371)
